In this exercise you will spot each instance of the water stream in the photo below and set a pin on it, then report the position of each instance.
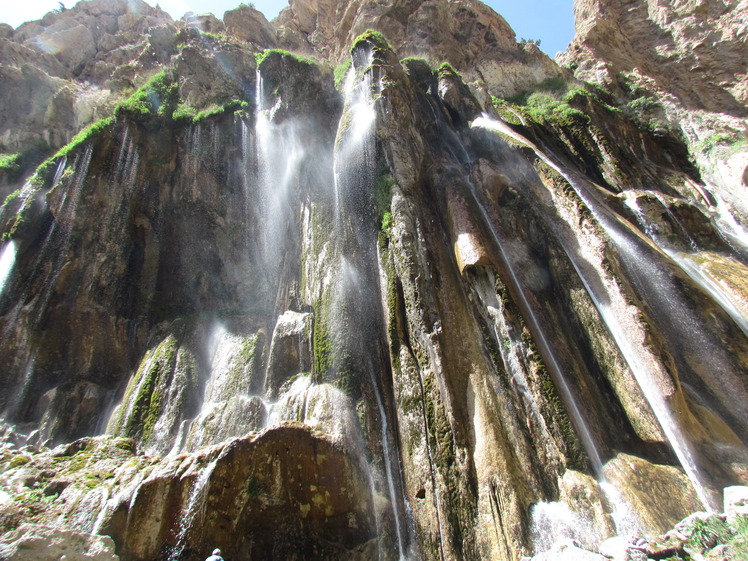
(354, 174)
(662, 293)
(7, 260)
(195, 506)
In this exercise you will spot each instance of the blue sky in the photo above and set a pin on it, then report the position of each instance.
(550, 21)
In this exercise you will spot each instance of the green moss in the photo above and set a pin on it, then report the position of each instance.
(184, 111)
(19, 460)
(322, 344)
(90, 132)
(143, 400)
(340, 72)
(253, 487)
(374, 37)
(10, 198)
(263, 56)
(214, 36)
(408, 59)
(716, 139)
(10, 162)
(447, 70)
(544, 107)
(554, 85)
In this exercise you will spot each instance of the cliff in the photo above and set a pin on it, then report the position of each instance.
(297, 293)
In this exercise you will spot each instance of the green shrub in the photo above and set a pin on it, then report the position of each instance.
(706, 534)
(372, 36)
(159, 95)
(10, 162)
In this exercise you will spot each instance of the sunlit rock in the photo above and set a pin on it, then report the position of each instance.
(46, 543)
(659, 495)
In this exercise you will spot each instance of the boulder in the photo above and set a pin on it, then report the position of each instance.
(568, 550)
(35, 542)
(660, 495)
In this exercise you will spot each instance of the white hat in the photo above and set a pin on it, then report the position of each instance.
(216, 551)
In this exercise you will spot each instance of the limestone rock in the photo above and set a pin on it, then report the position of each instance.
(290, 350)
(585, 497)
(621, 548)
(568, 550)
(692, 48)
(471, 36)
(687, 57)
(45, 543)
(247, 24)
(660, 495)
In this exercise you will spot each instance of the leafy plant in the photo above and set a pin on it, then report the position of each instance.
(706, 534)
(159, 95)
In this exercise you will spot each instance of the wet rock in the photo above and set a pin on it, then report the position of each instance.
(290, 350)
(659, 495)
(620, 548)
(585, 497)
(287, 481)
(44, 543)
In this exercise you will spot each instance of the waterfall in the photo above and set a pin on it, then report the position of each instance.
(194, 507)
(546, 351)
(661, 291)
(353, 309)
(689, 261)
(7, 260)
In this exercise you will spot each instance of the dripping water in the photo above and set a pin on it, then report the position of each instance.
(195, 505)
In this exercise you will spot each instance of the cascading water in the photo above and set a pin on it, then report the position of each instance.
(7, 260)
(662, 292)
(352, 309)
(690, 261)
(193, 509)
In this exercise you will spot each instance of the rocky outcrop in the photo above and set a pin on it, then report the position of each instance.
(70, 68)
(688, 59)
(250, 496)
(349, 312)
(46, 543)
(694, 50)
(471, 36)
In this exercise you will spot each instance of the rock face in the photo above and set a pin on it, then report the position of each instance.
(284, 492)
(32, 541)
(692, 49)
(362, 313)
(473, 38)
(67, 70)
(685, 57)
